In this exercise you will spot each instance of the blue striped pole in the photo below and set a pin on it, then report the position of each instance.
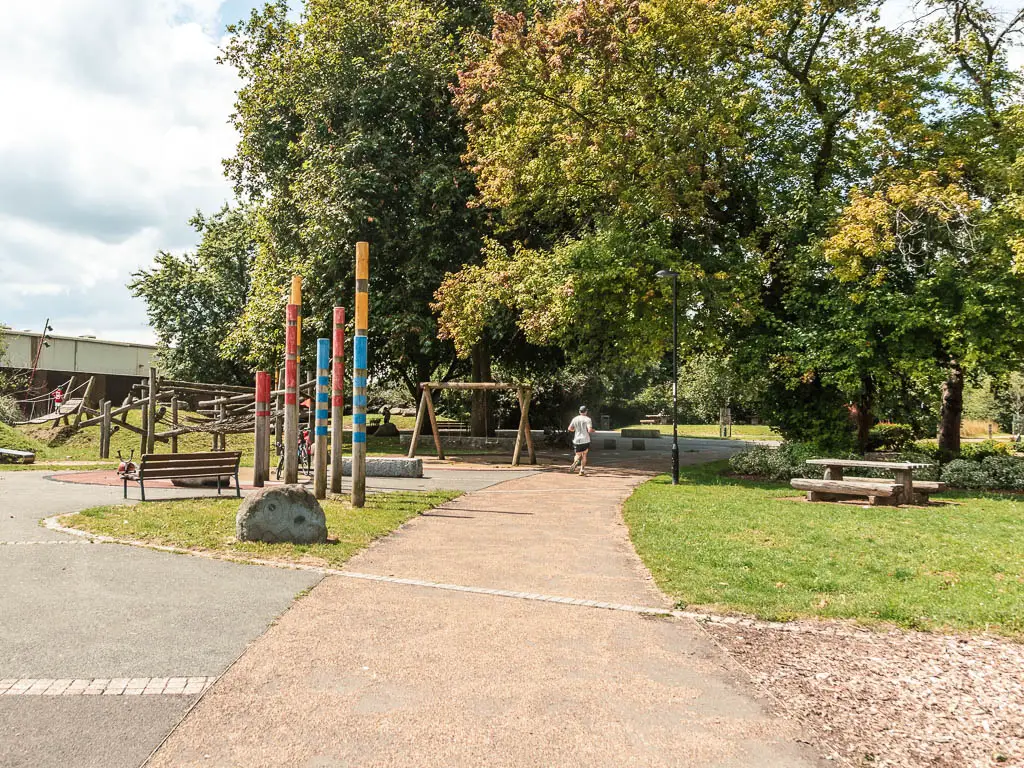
(359, 363)
(323, 397)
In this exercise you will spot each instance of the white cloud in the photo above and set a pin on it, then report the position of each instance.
(115, 126)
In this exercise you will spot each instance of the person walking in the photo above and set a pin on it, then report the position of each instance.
(582, 428)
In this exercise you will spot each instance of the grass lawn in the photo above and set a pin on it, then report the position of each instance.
(209, 524)
(739, 431)
(731, 544)
(52, 467)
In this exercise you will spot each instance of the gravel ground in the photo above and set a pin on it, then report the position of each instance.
(892, 698)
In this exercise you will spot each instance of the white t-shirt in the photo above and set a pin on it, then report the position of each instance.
(581, 426)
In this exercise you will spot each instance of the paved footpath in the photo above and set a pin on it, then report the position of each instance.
(103, 648)
(383, 673)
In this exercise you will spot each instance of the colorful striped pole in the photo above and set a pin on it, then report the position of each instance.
(296, 299)
(338, 399)
(359, 362)
(323, 397)
(261, 440)
(291, 400)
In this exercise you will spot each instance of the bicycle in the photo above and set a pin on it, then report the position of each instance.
(303, 453)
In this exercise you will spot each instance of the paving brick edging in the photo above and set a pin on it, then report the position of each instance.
(103, 686)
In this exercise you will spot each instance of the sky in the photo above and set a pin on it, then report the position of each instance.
(115, 125)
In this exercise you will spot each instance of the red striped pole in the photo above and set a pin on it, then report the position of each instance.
(261, 442)
(291, 399)
(337, 399)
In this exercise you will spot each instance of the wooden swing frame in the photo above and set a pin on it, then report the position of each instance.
(426, 409)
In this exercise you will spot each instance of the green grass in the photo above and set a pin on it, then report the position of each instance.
(84, 444)
(731, 544)
(209, 524)
(739, 431)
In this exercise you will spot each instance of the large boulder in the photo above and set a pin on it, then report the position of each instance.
(287, 513)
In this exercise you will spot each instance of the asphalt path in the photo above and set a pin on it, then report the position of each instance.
(76, 610)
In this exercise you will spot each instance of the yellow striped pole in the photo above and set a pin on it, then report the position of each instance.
(291, 392)
(359, 364)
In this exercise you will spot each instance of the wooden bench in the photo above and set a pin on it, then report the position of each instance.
(876, 491)
(174, 466)
(447, 425)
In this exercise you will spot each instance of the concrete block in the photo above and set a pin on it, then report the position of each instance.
(649, 434)
(381, 466)
(610, 443)
(638, 445)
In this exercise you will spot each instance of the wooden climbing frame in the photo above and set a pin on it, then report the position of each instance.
(426, 409)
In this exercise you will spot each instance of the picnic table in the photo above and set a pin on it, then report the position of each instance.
(901, 490)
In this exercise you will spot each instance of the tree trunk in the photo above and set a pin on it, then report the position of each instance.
(865, 412)
(952, 411)
(480, 414)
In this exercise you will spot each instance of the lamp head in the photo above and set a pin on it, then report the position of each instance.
(667, 273)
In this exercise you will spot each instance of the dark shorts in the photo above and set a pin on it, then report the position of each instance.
(581, 447)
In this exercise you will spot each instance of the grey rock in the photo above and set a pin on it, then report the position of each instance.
(386, 430)
(287, 513)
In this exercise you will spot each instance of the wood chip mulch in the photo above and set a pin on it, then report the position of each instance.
(892, 698)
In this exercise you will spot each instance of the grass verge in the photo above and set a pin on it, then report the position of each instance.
(209, 524)
(732, 544)
(51, 467)
(739, 431)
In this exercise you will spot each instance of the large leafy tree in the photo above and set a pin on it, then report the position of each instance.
(727, 141)
(348, 132)
(193, 300)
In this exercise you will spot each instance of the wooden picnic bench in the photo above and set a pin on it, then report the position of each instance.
(174, 466)
(903, 489)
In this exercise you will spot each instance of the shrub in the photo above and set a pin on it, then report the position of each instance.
(984, 449)
(890, 437)
(780, 464)
(963, 473)
(9, 411)
(1004, 472)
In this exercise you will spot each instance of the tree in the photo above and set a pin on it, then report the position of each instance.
(715, 139)
(348, 132)
(194, 300)
(742, 145)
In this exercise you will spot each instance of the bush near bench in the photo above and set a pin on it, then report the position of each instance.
(987, 465)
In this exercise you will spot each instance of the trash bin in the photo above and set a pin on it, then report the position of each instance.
(606, 421)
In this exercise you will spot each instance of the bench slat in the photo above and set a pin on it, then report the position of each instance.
(170, 458)
(164, 474)
(930, 486)
(844, 487)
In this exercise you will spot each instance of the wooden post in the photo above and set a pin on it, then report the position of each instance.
(144, 432)
(360, 354)
(279, 410)
(323, 397)
(151, 420)
(291, 394)
(418, 427)
(311, 416)
(261, 438)
(338, 399)
(85, 400)
(433, 422)
(105, 431)
(520, 434)
(525, 395)
(174, 423)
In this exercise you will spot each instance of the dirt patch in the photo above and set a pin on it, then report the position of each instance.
(894, 698)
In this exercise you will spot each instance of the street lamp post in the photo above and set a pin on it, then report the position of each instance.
(675, 371)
